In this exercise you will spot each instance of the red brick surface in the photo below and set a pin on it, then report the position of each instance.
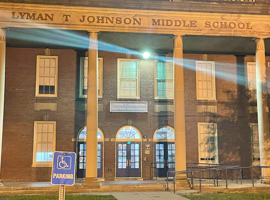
(232, 115)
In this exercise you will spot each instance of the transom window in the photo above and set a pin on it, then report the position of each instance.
(128, 133)
(128, 79)
(164, 86)
(164, 133)
(208, 146)
(82, 135)
(44, 143)
(84, 77)
(255, 142)
(251, 76)
(46, 76)
(205, 78)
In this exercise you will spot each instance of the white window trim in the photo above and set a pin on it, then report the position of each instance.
(37, 77)
(100, 74)
(252, 148)
(118, 79)
(216, 161)
(213, 81)
(42, 164)
(252, 92)
(155, 77)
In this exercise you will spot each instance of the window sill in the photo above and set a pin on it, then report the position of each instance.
(206, 100)
(163, 100)
(46, 96)
(127, 98)
(42, 165)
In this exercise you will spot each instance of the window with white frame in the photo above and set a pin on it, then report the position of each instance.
(205, 80)
(46, 76)
(164, 85)
(255, 141)
(84, 77)
(251, 76)
(128, 79)
(208, 144)
(44, 143)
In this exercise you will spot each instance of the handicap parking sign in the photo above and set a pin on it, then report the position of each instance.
(63, 171)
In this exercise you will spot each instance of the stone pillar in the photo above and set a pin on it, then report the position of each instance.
(92, 113)
(179, 112)
(2, 85)
(262, 107)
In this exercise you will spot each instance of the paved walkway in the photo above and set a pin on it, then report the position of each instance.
(143, 195)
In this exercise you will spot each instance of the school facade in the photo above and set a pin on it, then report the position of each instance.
(73, 79)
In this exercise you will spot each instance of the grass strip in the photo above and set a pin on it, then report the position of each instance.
(55, 197)
(229, 196)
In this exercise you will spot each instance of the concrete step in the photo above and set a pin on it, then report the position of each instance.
(84, 189)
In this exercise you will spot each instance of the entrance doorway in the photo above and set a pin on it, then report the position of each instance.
(128, 152)
(81, 154)
(164, 151)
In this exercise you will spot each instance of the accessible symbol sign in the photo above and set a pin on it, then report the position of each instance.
(63, 170)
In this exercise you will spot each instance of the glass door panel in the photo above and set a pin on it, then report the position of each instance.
(128, 159)
(81, 160)
(164, 158)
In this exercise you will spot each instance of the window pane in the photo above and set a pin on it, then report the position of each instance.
(128, 78)
(164, 78)
(205, 80)
(44, 142)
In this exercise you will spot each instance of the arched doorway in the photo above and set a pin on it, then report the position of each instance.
(81, 153)
(128, 152)
(164, 151)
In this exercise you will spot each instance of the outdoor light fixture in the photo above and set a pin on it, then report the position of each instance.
(146, 55)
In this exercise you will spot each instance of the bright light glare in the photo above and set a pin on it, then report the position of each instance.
(64, 38)
(146, 55)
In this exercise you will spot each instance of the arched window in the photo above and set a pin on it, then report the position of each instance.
(82, 135)
(164, 134)
(128, 133)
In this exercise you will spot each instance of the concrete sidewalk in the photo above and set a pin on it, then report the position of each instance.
(142, 195)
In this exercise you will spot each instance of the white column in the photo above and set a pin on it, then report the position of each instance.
(262, 107)
(92, 112)
(2, 84)
(179, 106)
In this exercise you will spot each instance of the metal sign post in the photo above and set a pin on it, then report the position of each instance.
(61, 192)
(63, 171)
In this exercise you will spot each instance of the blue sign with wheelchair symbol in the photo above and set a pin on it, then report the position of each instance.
(63, 171)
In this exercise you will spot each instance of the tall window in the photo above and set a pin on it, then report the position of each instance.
(128, 79)
(251, 76)
(255, 142)
(208, 145)
(44, 143)
(205, 78)
(46, 76)
(164, 86)
(84, 77)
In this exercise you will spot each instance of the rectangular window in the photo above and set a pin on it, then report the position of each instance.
(44, 143)
(255, 142)
(164, 85)
(128, 79)
(205, 80)
(84, 77)
(46, 76)
(208, 143)
(251, 76)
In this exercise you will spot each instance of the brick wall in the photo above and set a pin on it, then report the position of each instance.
(20, 112)
(232, 117)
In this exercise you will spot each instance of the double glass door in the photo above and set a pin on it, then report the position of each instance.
(81, 160)
(128, 159)
(165, 158)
